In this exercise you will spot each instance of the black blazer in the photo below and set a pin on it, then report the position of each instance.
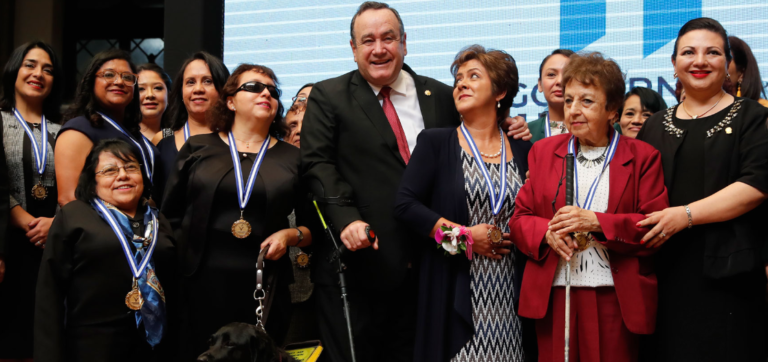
(4, 199)
(80, 311)
(348, 145)
(734, 246)
(433, 187)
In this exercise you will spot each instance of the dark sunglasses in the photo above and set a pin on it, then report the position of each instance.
(258, 87)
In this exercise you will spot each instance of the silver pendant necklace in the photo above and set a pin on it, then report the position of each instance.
(587, 163)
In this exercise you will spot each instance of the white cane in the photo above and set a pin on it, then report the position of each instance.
(568, 201)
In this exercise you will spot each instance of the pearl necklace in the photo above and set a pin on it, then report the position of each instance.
(497, 154)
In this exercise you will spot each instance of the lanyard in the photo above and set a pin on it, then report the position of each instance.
(612, 145)
(496, 201)
(137, 270)
(148, 166)
(41, 151)
(186, 131)
(244, 191)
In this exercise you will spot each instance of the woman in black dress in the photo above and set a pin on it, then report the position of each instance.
(108, 269)
(195, 90)
(106, 106)
(31, 97)
(714, 150)
(229, 197)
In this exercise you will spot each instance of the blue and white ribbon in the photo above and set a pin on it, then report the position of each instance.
(40, 151)
(548, 128)
(496, 201)
(148, 166)
(137, 270)
(244, 193)
(612, 145)
(186, 131)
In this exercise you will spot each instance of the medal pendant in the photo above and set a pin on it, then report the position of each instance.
(241, 229)
(582, 240)
(133, 299)
(494, 235)
(302, 260)
(39, 192)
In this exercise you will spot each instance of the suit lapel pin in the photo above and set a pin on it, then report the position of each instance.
(728, 130)
(427, 92)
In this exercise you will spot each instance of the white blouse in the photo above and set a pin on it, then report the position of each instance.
(591, 267)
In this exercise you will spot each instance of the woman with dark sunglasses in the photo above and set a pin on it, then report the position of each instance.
(106, 106)
(228, 197)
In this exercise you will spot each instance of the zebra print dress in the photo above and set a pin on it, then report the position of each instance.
(498, 334)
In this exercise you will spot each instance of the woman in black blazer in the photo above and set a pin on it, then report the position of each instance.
(466, 307)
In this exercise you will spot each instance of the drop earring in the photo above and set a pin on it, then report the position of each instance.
(674, 75)
(738, 92)
(498, 104)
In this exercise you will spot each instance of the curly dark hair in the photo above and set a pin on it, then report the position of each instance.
(85, 100)
(222, 117)
(177, 111)
(152, 67)
(52, 103)
(501, 68)
(86, 185)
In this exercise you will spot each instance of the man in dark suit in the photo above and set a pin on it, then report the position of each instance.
(360, 129)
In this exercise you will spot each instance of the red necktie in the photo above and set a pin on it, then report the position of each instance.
(394, 122)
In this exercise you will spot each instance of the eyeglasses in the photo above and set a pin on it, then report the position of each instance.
(299, 99)
(110, 76)
(258, 87)
(113, 170)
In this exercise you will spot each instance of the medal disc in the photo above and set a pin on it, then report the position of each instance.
(39, 192)
(134, 300)
(241, 229)
(582, 240)
(302, 260)
(495, 235)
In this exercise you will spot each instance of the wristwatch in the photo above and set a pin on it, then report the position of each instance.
(300, 235)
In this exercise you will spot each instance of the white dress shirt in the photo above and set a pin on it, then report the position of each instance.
(406, 102)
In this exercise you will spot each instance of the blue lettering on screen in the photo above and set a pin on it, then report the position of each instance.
(308, 41)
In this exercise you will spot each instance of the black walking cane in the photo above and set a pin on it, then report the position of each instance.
(317, 190)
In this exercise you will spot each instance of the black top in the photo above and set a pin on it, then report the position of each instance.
(106, 131)
(433, 186)
(80, 311)
(348, 145)
(167, 152)
(735, 150)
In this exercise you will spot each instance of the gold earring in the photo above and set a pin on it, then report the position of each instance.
(738, 92)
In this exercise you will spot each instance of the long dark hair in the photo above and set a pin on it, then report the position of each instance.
(52, 103)
(222, 117)
(86, 185)
(85, 100)
(649, 99)
(752, 85)
(177, 111)
(152, 67)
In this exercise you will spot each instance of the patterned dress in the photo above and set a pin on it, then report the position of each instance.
(498, 334)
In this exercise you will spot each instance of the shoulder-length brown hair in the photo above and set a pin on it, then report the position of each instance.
(222, 117)
(593, 69)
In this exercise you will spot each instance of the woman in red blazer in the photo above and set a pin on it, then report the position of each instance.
(617, 181)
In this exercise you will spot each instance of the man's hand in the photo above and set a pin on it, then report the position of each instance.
(354, 237)
(517, 127)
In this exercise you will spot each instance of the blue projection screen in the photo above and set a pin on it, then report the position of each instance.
(308, 41)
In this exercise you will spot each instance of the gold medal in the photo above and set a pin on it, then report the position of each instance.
(241, 229)
(133, 299)
(495, 235)
(39, 192)
(582, 240)
(302, 260)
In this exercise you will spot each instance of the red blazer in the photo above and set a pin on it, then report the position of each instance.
(636, 188)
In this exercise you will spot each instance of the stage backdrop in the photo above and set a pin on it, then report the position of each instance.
(308, 41)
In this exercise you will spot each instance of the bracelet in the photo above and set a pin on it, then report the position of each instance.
(690, 218)
(300, 237)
